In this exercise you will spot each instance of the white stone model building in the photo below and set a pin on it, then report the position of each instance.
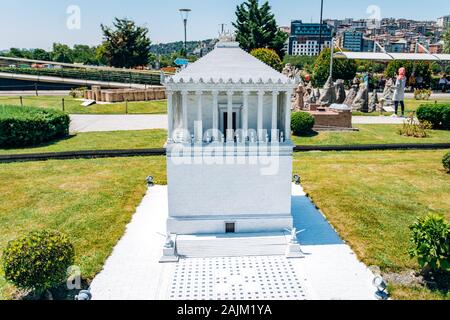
(229, 152)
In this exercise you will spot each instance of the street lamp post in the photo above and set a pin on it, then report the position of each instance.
(320, 27)
(184, 15)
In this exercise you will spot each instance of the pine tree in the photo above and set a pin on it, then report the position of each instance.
(256, 27)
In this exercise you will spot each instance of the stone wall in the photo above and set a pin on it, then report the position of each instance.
(121, 95)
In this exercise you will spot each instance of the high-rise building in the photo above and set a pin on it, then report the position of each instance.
(305, 37)
(443, 22)
(352, 41)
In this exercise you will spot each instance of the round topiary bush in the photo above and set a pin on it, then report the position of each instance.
(302, 123)
(38, 261)
(27, 126)
(269, 57)
(446, 162)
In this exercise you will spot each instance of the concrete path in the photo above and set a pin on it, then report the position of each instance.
(330, 269)
(377, 120)
(96, 123)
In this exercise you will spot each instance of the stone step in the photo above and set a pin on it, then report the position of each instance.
(231, 245)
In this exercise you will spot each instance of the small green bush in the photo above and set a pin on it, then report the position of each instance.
(302, 123)
(27, 126)
(446, 162)
(436, 114)
(430, 242)
(38, 261)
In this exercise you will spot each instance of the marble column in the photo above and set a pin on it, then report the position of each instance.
(170, 114)
(245, 95)
(287, 114)
(274, 133)
(215, 120)
(230, 132)
(260, 116)
(199, 122)
(184, 104)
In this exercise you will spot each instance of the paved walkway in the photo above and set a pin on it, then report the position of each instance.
(96, 123)
(329, 271)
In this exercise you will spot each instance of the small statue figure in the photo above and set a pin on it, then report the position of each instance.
(294, 233)
(299, 103)
(388, 94)
(169, 242)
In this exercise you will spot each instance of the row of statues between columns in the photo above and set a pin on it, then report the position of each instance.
(239, 136)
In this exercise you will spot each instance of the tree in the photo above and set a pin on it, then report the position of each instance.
(269, 57)
(127, 45)
(256, 27)
(62, 53)
(419, 68)
(447, 40)
(301, 62)
(41, 54)
(85, 54)
(342, 68)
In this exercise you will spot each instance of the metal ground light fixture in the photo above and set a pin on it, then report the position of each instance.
(381, 285)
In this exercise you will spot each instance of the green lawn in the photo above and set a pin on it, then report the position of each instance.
(370, 134)
(371, 198)
(73, 106)
(142, 139)
(90, 200)
(410, 105)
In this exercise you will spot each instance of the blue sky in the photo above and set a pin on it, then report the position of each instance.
(33, 23)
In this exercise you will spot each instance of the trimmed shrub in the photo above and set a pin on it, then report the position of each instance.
(38, 261)
(302, 123)
(27, 126)
(269, 57)
(430, 242)
(446, 162)
(436, 114)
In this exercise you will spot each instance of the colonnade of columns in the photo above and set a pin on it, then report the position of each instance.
(245, 114)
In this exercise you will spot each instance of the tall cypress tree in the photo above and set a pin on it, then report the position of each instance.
(256, 27)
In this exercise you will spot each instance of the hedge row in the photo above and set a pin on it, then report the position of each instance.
(27, 126)
(436, 114)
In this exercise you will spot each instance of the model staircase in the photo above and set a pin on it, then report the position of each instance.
(231, 245)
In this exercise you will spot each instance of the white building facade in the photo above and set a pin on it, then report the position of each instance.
(229, 152)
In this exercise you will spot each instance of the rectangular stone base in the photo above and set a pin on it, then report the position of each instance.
(216, 224)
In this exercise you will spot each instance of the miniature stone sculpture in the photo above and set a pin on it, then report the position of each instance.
(352, 93)
(294, 250)
(361, 102)
(340, 91)
(299, 103)
(387, 97)
(329, 93)
(374, 103)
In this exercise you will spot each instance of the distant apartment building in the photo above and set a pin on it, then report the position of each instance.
(352, 41)
(304, 39)
(443, 22)
(398, 46)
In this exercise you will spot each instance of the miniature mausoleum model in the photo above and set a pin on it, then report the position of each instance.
(229, 151)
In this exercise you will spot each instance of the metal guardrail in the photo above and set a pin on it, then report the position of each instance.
(92, 154)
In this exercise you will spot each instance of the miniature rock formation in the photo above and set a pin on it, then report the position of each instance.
(388, 94)
(374, 103)
(329, 93)
(352, 93)
(361, 102)
(340, 91)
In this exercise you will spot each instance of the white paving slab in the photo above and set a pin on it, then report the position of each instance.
(99, 123)
(330, 269)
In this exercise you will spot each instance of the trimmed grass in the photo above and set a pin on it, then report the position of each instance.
(410, 106)
(372, 198)
(370, 134)
(73, 106)
(100, 141)
(90, 200)
(143, 139)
